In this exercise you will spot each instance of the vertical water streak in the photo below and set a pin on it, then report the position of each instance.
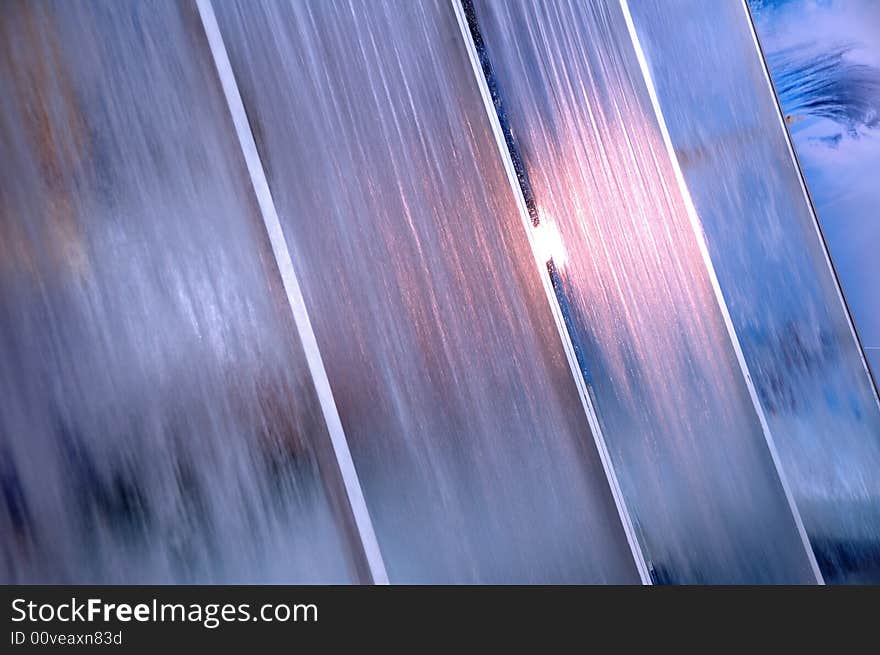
(684, 435)
(517, 178)
(464, 422)
(354, 494)
(158, 421)
(825, 64)
(784, 300)
(716, 288)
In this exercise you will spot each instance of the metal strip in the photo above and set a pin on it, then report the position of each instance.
(555, 309)
(350, 480)
(716, 287)
(809, 200)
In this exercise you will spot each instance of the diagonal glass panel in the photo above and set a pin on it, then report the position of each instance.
(158, 423)
(773, 270)
(463, 419)
(686, 441)
(824, 58)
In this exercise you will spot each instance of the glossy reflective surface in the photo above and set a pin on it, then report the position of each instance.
(682, 430)
(825, 61)
(772, 267)
(462, 416)
(158, 423)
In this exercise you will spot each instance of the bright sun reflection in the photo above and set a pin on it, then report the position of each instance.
(548, 242)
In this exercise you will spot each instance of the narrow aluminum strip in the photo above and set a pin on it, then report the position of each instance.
(555, 309)
(722, 303)
(809, 200)
(349, 475)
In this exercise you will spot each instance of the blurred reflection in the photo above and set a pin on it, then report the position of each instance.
(157, 424)
(783, 299)
(682, 430)
(464, 422)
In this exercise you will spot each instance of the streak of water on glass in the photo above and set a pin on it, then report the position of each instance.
(158, 421)
(464, 422)
(784, 300)
(684, 436)
(354, 494)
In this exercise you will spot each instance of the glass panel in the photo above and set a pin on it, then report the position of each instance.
(783, 298)
(462, 416)
(158, 424)
(681, 427)
(825, 62)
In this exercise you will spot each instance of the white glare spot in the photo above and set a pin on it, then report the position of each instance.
(548, 242)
